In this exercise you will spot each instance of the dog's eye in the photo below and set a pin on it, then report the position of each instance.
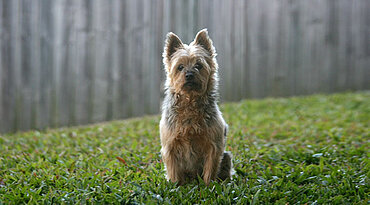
(198, 66)
(180, 67)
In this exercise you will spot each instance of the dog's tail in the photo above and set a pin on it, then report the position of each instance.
(226, 168)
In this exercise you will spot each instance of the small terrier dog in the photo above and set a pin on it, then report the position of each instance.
(192, 130)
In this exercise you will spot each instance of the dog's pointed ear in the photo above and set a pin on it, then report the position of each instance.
(172, 43)
(202, 39)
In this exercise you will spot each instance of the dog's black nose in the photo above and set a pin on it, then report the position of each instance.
(189, 75)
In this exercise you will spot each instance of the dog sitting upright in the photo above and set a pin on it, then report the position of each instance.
(192, 130)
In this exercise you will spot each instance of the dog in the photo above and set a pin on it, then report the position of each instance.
(192, 129)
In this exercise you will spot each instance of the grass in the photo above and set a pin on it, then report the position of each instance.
(302, 150)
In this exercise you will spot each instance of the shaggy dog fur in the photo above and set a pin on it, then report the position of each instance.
(192, 130)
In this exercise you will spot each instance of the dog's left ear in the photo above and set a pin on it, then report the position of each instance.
(203, 40)
(172, 43)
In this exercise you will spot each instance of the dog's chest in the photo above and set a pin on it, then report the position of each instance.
(190, 120)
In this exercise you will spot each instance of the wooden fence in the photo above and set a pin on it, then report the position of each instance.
(69, 62)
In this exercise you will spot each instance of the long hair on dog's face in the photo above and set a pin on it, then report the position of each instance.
(191, 69)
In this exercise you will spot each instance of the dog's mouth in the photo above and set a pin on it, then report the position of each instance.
(191, 85)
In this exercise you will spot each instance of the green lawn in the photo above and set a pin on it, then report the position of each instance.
(300, 150)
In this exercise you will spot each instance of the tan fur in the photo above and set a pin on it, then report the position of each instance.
(192, 129)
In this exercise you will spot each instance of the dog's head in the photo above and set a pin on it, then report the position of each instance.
(190, 68)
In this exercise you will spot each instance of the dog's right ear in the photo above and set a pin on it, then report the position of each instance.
(172, 43)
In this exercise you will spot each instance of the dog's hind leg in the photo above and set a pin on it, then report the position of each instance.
(225, 167)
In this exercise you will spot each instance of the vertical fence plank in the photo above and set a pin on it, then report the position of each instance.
(90, 65)
(246, 63)
(365, 51)
(24, 67)
(253, 13)
(359, 60)
(129, 51)
(16, 63)
(161, 33)
(157, 56)
(145, 9)
(112, 106)
(35, 64)
(318, 45)
(101, 51)
(137, 66)
(307, 46)
(58, 96)
(122, 103)
(65, 65)
(2, 72)
(114, 42)
(241, 43)
(325, 53)
(332, 40)
(46, 60)
(273, 79)
(107, 63)
(295, 23)
(82, 83)
(238, 43)
(71, 61)
(280, 75)
(222, 47)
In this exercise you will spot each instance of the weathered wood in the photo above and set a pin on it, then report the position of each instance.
(113, 61)
(123, 74)
(25, 67)
(90, 64)
(46, 62)
(35, 64)
(68, 62)
(103, 25)
(58, 96)
(2, 72)
(82, 83)
(16, 62)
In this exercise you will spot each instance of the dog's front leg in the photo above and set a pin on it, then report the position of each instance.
(173, 171)
(210, 166)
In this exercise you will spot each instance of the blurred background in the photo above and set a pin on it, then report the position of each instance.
(72, 62)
